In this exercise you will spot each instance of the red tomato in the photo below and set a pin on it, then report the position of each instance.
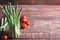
(4, 37)
(23, 25)
(23, 17)
(27, 22)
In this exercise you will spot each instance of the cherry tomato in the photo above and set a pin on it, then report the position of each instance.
(27, 22)
(23, 25)
(4, 37)
(23, 17)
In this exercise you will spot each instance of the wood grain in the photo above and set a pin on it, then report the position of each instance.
(45, 22)
(31, 2)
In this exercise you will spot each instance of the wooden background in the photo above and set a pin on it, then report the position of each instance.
(44, 18)
(27, 2)
(45, 22)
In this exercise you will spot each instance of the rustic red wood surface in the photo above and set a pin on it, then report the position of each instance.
(31, 2)
(45, 22)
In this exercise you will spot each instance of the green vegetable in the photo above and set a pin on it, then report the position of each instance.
(13, 19)
(4, 24)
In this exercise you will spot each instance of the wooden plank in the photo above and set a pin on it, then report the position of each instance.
(45, 21)
(31, 2)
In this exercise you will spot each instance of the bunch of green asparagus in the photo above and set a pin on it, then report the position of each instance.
(13, 19)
